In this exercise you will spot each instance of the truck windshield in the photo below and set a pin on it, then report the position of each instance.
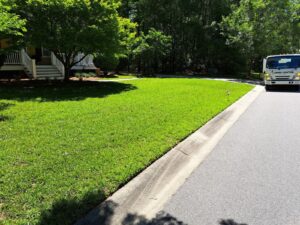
(284, 62)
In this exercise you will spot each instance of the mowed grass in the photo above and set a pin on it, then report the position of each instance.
(64, 148)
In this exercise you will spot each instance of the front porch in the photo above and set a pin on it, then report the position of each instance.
(45, 67)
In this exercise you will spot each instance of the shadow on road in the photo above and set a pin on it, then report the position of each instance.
(67, 212)
(230, 222)
(287, 89)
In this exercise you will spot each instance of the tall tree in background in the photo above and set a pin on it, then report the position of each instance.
(110, 59)
(230, 35)
(191, 24)
(262, 27)
(295, 9)
(150, 48)
(159, 36)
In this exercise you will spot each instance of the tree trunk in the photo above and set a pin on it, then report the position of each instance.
(139, 65)
(67, 68)
(249, 68)
(67, 72)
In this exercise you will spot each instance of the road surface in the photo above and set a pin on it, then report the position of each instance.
(253, 175)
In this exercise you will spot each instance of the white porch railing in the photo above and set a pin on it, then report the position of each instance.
(13, 58)
(28, 63)
(58, 64)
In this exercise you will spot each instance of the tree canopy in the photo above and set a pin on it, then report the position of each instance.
(71, 27)
(12, 29)
(226, 36)
(263, 27)
(150, 48)
(229, 35)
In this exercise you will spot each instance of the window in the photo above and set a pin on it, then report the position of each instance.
(284, 62)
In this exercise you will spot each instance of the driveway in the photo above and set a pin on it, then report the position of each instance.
(253, 175)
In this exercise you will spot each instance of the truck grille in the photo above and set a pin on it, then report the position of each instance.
(282, 77)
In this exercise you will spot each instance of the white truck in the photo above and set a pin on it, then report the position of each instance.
(282, 70)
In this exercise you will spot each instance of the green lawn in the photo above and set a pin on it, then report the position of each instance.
(65, 147)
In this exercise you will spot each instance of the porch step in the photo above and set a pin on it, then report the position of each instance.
(48, 72)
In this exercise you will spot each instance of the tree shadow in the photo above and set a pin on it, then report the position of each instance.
(67, 212)
(160, 219)
(4, 106)
(60, 91)
(230, 222)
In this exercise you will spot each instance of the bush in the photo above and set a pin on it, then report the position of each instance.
(106, 62)
(82, 75)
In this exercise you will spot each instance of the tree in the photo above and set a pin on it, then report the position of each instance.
(262, 27)
(150, 48)
(127, 39)
(192, 26)
(109, 60)
(295, 9)
(12, 29)
(70, 27)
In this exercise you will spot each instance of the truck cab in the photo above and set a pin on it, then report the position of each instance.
(281, 70)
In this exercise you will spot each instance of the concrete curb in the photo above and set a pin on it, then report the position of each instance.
(147, 193)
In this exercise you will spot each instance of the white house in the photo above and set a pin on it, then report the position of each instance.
(41, 64)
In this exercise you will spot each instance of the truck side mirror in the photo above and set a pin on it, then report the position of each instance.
(265, 65)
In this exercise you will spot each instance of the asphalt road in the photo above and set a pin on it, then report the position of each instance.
(253, 175)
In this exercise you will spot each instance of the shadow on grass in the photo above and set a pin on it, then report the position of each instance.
(59, 91)
(4, 106)
(67, 212)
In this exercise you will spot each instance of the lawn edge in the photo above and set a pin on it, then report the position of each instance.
(146, 194)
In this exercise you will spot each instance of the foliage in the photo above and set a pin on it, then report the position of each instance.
(71, 27)
(262, 27)
(12, 29)
(82, 75)
(150, 48)
(109, 60)
(67, 141)
(192, 26)
(224, 35)
(229, 35)
(106, 62)
(127, 36)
